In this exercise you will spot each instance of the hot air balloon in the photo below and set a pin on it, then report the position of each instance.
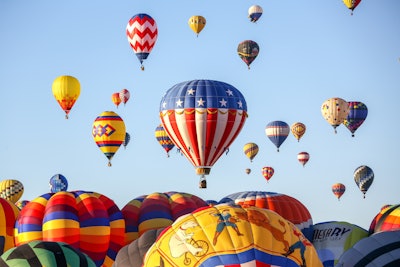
(298, 129)
(363, 176)
(132, 254)
(277, 132)
(157, 210)
(163, 138)
(66, 90)
(332, 239)
(88, 221)
(351, 4)
(267, 172)
(250, 150)
(224, 235)
(116, 99)
(11, 190)
(203, 118)
(303, 158)
(109, 133)
(124, 95)
(338, 190)
(248, 51)
(58, 183)
(288, 207)
(255, 12)
(335, 111)
(197, 23)
(126, 140)
(8, 215)
(248, 170)
(357, 115)
(142, 35)
(45, 253)
(388, 219)
(380, 249)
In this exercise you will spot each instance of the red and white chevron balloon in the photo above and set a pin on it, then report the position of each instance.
(142, 35)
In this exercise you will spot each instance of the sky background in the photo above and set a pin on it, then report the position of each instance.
(309, 52)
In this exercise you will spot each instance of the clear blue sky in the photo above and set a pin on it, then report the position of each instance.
(309, 52)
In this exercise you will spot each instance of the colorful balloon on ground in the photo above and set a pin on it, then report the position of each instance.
(8, 215)
(267, 172)
(132, 254)
(277, 132)
(388, 219)
(332, 239)
(197, 24)
(286, 206)
(303, 158)
(250, 150)
(43, 254)
(109, 133)
(298, 130)
(58, 183)
(255, 12)
(163, 138)
(338, 190)
(224, 235)
(351, 4)
(248, 51)
(66, 90)
(157, 210)
(11, 190)
(142, 35)
(357, 115)
(124, 95)
(363, 176)
(116, 99)
(335, 111)
(203, 118)
(88, 221)
(380, 249)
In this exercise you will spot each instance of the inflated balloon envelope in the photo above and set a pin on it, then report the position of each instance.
(224, 235)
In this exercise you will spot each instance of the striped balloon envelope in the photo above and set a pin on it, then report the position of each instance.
(157, 210)
(338, 190)
(288, 207)
(109, 133)
(363, 177)
(357, 115)
(8, 215)
(250, 150)
(142, 35)
(11, 190)
(45, 253)
(388, 219)
(277, 132)
(303, 157)
(224, 235)
(88, 221)
(163, 139)
(377, 250)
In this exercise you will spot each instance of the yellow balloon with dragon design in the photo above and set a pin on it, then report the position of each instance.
(224, 235)
(109, 133)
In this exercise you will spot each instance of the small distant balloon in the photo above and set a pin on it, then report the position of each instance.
(303, 157)
(11, 190)
(197, 23)
(255, 12)
(250, 150)
(357, 115)
(267, 172)
(351, 4)
(277, 132)
(248, 170)
(338, 190)
(124, 95)
(116, 99)
(335, 111)
(58, 183)
(126, 140)
(298, 130)
(248, 51)
(66, 90)
(363, 176)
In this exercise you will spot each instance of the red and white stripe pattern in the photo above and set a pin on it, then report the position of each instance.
(142, 33)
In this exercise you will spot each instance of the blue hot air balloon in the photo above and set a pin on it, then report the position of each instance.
(363, 176)
(58, 183)
(277, 132)
(357, 115)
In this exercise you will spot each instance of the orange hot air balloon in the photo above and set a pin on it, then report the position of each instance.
(338, 190)
(267, 172)
(109, 133)
(116, 99)
(66, 90)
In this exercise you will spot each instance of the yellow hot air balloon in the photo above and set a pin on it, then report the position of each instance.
(197, 23)
(66, 90)
(298, 129)
(335, 111)
(109, 133)
(11, 190)
(250, 150)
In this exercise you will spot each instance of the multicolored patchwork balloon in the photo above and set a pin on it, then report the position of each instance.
(363, 176)
(248, 51)
(338, 190)
(142, 35)
(267, 172)
(11, 190)
(357, 115)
